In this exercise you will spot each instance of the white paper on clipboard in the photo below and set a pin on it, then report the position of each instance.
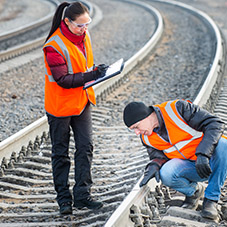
(113, 70)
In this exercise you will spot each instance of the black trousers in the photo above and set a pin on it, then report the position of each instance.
(60, 135)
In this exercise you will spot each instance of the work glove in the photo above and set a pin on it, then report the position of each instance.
(151, 170)
(95, 74)
(203, 166)
(100, 71)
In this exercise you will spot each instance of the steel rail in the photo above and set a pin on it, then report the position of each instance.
(124, 214)
(37, 128)
(30, 132)
(22, 29)
(138, 195)
(23, 48)
(121, 216)
(136, 58)
(31, 45)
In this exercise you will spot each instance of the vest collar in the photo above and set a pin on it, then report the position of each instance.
(77, 40)
(161, 130)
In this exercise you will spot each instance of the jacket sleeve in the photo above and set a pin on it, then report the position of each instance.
(156, 156)
(203, 121)
(59, 70)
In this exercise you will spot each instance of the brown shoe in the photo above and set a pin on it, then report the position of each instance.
(192, 202)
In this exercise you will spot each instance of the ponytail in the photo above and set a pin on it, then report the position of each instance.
(57, 18)
(72, 11)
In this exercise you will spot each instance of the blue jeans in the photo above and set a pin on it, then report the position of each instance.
(181, 174)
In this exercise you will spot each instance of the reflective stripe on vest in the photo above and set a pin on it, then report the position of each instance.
(59, 101)
(61, 44)
(180, 123)
(177, 146)
(50, 77)
(192, 137)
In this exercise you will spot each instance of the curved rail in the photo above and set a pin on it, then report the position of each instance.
(37, 128)
(23, 48)
(121, 216)
(31, 45)
(138, 196)
(135, 59)
(30, 26)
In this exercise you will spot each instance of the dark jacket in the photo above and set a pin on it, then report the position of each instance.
(197, 118)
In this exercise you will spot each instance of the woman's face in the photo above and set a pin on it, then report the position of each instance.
(78, 26)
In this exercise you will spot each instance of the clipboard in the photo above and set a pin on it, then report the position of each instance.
(113, 70)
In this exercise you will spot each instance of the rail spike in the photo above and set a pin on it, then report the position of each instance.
(151, 200)
(44, 137)
(29, 152)
(23, 151)
(38, 140)
(37, 143)
(1, 172)
(20, 158)
(13, 156)
(147, 215)
(135, 216)
(166, 192)
(4, 164)
(156, 215)
(11, 164)
(30, 145)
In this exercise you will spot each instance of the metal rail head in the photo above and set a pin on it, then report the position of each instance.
(31, 45)
(131, 210)
(142, 203)
(30, 26)
(29, 133)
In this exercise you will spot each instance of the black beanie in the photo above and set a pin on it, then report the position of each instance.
(136, 111)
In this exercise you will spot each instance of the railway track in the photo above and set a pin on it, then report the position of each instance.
(27, 194)
(30, 36)
(26, 37)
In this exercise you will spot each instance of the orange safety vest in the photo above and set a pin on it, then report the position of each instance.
(62, 102)
(183, 140)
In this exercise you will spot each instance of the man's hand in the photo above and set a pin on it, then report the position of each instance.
(152, 170)
(202, 166)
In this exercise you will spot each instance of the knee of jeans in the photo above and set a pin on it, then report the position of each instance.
(169, 171)
(166, 178)
(221, 150)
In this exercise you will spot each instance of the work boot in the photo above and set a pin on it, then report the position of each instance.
(66, 208)
(209, 209)
(192, 202)
(87, 202)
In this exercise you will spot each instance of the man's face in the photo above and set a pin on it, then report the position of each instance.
(145, 126)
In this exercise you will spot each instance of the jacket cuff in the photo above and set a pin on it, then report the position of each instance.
(158, 162)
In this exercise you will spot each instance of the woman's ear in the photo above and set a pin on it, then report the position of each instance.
(67, 21)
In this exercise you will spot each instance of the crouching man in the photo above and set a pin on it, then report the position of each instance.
(185, 146)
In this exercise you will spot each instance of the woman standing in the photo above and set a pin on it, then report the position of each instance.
(69, 65)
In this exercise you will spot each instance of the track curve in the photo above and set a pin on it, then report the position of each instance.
(112, 181)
